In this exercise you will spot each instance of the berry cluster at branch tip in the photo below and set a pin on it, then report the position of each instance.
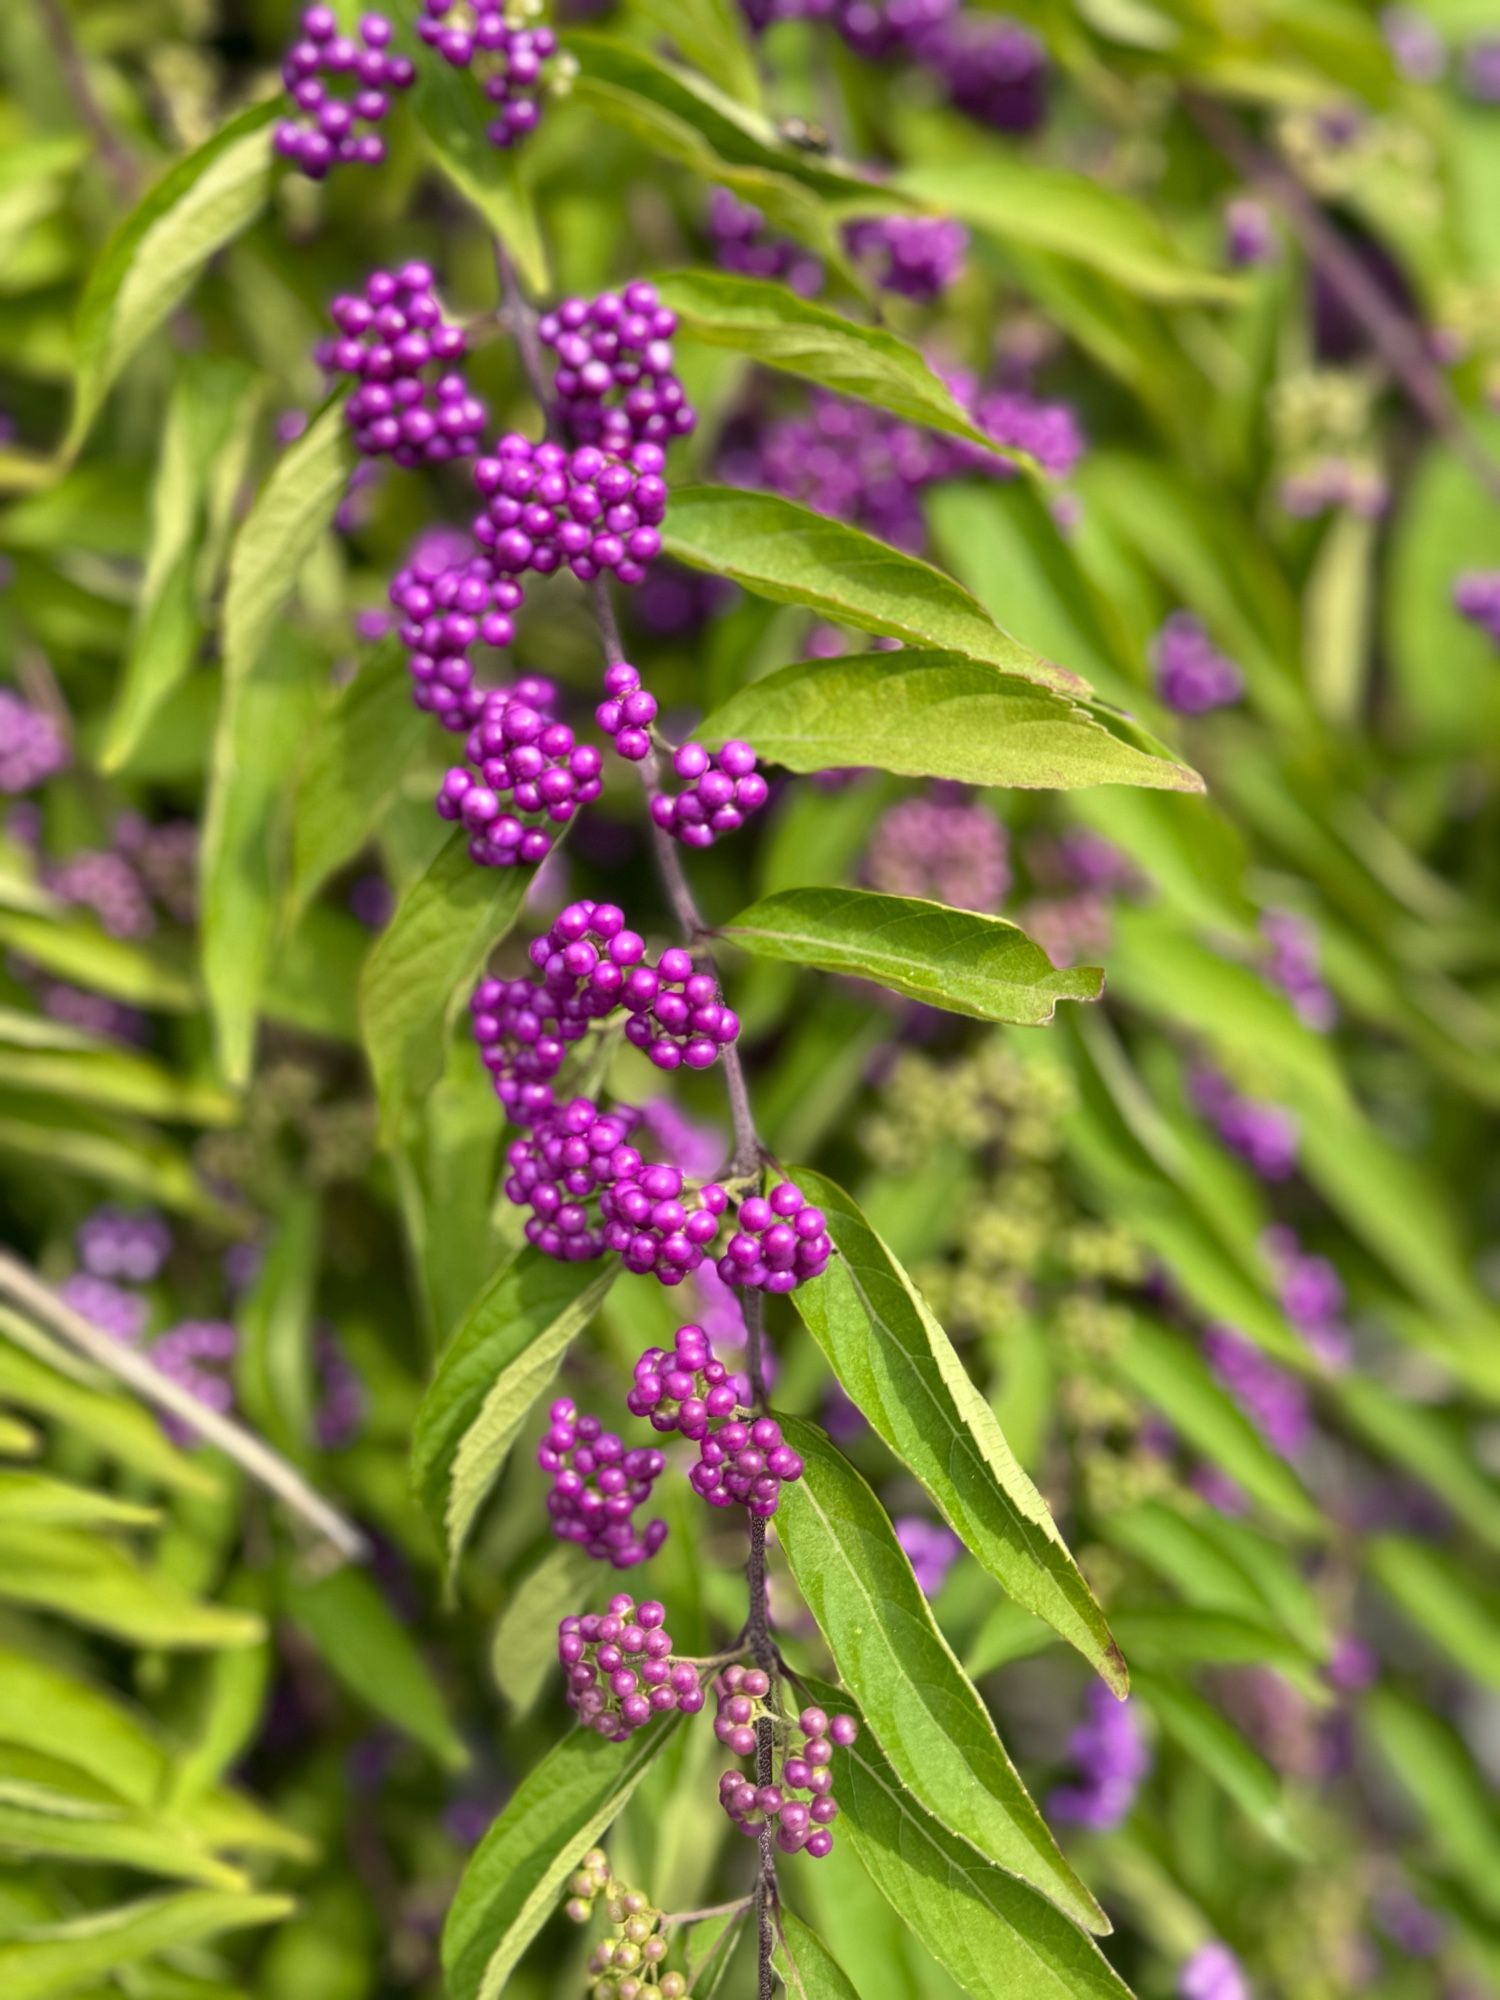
(327, 132)
(803, 1825)
(620, 1671)
(393, 340)
(743, 1460)
(597, 1484)
(509, 49)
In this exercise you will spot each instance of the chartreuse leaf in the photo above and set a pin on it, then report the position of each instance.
(36, 1496)
(454, 114)
(111, 1423)
(498, 1362)
(1014, 199)
(934, 715)
(273, 1364)
(523, 1650)
(118, 1154)
(375, 1656)
(40, 1817)
(997, 1937)
(1170, 1373)
(1429, 1760)
(899, 1368)
(955, 959)
(150, 263)
(79, 951)
(367, 738)
(115, 1080)
(1444, 1598)
(555, 1815)
(267, 706)
(95, 1583)
(444, 928)
(777, 328)
(1218, 1749)
(712, 34)
(916, 1698)
(807, 1967)
(780, 550)
(1186, 1635)
(46, 1710)
(205, 416)
(45, 1961)
(18, 1439)
(1222, 1565)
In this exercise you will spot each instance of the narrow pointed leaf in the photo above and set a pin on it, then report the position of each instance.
(555, 1815)
(499, 1361)
(807, 1967)
(999, 1939)
(934, 715)
(49, 1960)
(94, 1583)
(954, 959)
(58, 1503)
(896, 1364)
(921, 1706)
(111, 1423)
(780, 550)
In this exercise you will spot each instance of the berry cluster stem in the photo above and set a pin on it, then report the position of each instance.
(748, 1151)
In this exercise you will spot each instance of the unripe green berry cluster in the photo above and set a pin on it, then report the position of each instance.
(629, 1965)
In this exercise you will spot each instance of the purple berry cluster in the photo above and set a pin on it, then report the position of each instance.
(1110, 1759)
(721, 789)
(1263, 1135)
(1274, 1401)
(108, 1306)
(363, 73)
(1476, 596)
(32, 746)
(658, 1224)
(451, 600)
(779, 1243)
(509, 49)
(593, 510)
(1312, 1296)
(1212, 1973)
(100, 880)
(620, 1671)
(946, 850)
(803, 1825)
(410, 403)
(1291, 963)
(526, 774)
(993, 69)
(742, 244)
(743, 1460)
(115, 1244)
(1192, 675)
(916, 256)
(596, 1487)
(614, 383)
(1249, 238)
(197, 1355)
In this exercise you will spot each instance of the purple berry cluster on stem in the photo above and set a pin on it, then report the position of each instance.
(526, 774)
(743, 1460)
(801, 1825)
(614, 383)
(197, 1354)
(116, 1244)
(33, 747)
(449, 603)
(1192, 675)
(509, 49)
(780, 1241)
(409, 404)
(597, 1484)
(620, 1670)
(1110, 1759)
(339, 83)
(723, 787)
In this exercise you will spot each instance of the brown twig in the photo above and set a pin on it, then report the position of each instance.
(1396, 339)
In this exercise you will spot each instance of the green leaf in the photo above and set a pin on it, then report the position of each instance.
(954, 959)
(1441, 1595)
(36, 1496)
(37, 1819)
(80, 952)
(808, 1969)
(712, 34)
(554, 1816)
(777, 328)
(150, 263)
(896, 1364)
(780, 550)
(1013, 199)
(1430, 1762)
(1185, 1635)
(120, 1156)
(375, 1656)
(998, 1938)
(499, 1361)
(116, 1080)
(47, 1710)
(444, 928)
(205, 416)
(1167, 1369)
(364, 743)
(1223, 1565)
(111, 1423)
(895, 1662)
(49, 1960)
(273, 1370)
(454, 115)
(1427, 1442)
(1218, 1749)
(523, 1650)
(935, 715)
(96, 1584)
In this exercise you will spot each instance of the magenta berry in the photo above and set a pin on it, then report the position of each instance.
(593, 510)
(743, 1460)
(801, 1824)
(340, 87)
(198, 1355)
(451, 600)
(614, 383)
(526, 774)
(779, 1243)
(627, 712)
(513, 55)
(33, 747)
(596, 1487)
(620, 1671)
(1192, 676)
(723, 788)
(410, 403)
